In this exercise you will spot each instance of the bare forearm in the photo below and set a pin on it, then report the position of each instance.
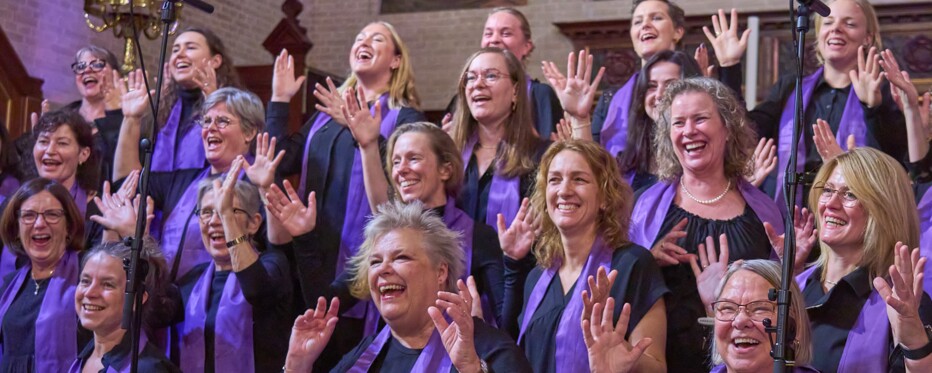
(582, 128)
(917, 138)
(126, 156)
(373, 176)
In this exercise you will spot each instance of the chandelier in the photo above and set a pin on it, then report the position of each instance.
(115, 15)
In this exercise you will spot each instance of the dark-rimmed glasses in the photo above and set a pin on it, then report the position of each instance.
(95, 66)
(758, 310)
(51, 216)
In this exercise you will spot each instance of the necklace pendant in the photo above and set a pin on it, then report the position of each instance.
(37, 289)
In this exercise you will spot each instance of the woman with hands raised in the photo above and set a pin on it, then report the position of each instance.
(409, 265)
(581, 202)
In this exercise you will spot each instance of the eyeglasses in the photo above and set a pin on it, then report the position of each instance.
(95, 66)
(757, 310)
(220, 122)
(489, 77)
(51, 216)
(848, 199)
(206, 214)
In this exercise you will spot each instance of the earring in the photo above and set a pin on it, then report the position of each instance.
(514, 104)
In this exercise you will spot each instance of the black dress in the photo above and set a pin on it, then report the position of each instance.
(639, 283)
(151, 358)
(686, 339)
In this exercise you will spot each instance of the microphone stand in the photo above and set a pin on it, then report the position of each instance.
(136, 267)
(783, 356)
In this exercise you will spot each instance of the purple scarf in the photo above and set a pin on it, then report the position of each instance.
(124, 366)
(651, 209)
(458, 221)
(805, 369)
(57, 324)
(233, 348)
(181, 222)
(8, 187)
(80, 198)
(571, 354)
(852, 123)
(925, 249)
(504, 193)
(172, 153)
(614, 133)
(867, 344)
(433, 357)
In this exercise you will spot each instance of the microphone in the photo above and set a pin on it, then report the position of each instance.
(815, 5)
(209, 9)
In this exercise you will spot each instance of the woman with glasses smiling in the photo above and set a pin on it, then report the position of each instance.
(43, 226)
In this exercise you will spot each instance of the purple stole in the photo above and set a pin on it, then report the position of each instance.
(8, 187)
(571, 354)
(614, 133)
(172, 153)
(852, 123)
(123, 368)
(57, 324)
(458, 221)
(867, 344)
(504, 193)
(925, 249)
(433, 357)
(233, 343)
(357, 204)
(651, 209)
(178, 224)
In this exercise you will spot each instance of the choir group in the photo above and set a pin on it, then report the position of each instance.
(538, 228)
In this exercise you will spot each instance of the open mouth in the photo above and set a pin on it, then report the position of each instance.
(744, 342)
(214, 142)
(50, 163)
(407, 183)
(388, 291)
(182, 66)
(217, 238)
(694, 147)
(831, 221)
(836, 42)
(41, 238)
(92, 308)
(479, 99)
(89, 81)
(363, 56)
(647, 37)
(567, 207)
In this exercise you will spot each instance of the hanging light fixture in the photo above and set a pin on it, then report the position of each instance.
(114, 15)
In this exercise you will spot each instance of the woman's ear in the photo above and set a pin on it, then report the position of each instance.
(83, 155)
(252, 226)
(442, 273)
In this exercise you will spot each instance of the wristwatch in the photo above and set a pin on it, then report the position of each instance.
(921, 352)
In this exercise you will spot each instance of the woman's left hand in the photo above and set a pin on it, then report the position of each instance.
(606, 345)
(710, 269)
(867, 78)
(205, 76)
(457, 336)
(825, 142)
(262, 172)
(728, 47)
(364, 126)
(906, 275)
(223, 191)
(574, 90)
(806, 237)
(600, 288)
(112, 96)
(765, 161)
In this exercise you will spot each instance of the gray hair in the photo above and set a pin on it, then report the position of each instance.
(241, 103)
(740, 137)
(441, 244)
(771, 271)
(244, 191)
(101, 53)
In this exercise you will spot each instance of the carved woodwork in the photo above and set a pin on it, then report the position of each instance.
(20, 94)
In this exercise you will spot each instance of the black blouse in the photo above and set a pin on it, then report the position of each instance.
(474, 197)
(151, 358)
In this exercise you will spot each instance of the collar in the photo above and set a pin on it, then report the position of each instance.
(821, 83)
(112, 358)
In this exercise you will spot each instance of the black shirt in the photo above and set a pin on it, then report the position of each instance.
(474, 197)
(832, 316)
(494, 347)
(639, 283)
(151, 359)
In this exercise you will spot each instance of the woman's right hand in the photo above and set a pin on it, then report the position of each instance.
(310, 335)
(575, 91)
(825, 141)
(666, 252)
(710, 270)
(364, 126)
(329, 101)
(764, 161)
(517, 240)
(135, 100)
(262, 171)
(284, 84)
(288, 209)
(806, 237)
(607, 348)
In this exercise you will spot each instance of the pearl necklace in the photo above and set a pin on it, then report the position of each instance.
(705, 201)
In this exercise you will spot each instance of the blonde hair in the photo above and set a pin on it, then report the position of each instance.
(401, 91)
(614, 193)
(873, 27)
(739, 136)
(515, 153)
(884, 191)
(525, 26)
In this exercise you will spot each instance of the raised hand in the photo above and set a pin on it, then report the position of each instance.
(457, 336)
(608, 350)
(288, 209)
(825, 141)
(284, 84)
(728, 47)
(904, 92)
(806, 237)
(906, 276)
(205, 75)
(702, 58)
(329, 101)
(224, 190)
(710, 269)
(516, 241)
(765, 161)
(310, 334)
(666, 252)
(867, 79)
(364, 126)
(476, 309)
(447, 124)
(564, 131)
(262, 172)
(574, 90)
(599, 290)
(112, 97)
(128, 190)
(116, 213)
(134, 101)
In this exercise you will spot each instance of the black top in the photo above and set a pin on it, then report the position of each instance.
(639, 283)
(189, 106)
(474, 197)
(493, 346)
(266, 285)
(151, 358)
(886, 126)
(686, 339)
(546, 109)
(833, 315)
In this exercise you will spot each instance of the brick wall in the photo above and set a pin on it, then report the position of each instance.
(48, 32)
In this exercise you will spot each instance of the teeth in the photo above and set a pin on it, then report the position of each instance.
(648, 36)
(217, 235)
(692, 146)
(407, 183)
(384, 288)
(836, 42)
(92, 307)
(746, 341)
(835, 221)
(566, 207)
(41, 237)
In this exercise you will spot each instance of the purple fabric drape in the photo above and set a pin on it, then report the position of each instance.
(614, 132)
(571, 354)
(57, 324)
(433, 357)
(233, 338)
(504, 193)
(181, 222)
(172, 153)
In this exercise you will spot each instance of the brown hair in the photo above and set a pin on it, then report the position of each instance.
(442, 146)
(615, 194)
(100, 53)
(88, 173)
(10, 218)
(676, 14)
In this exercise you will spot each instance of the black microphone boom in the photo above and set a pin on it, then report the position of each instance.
(207, 8)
